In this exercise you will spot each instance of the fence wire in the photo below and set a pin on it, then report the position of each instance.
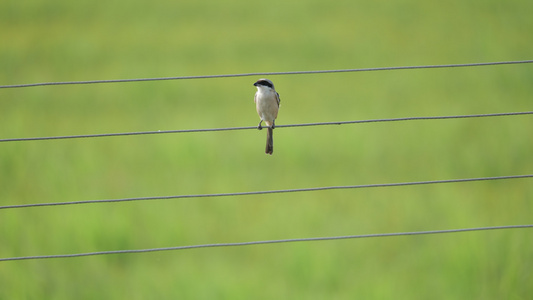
(255, 127)
(269, 192)
(315, 239)
(268, 74)
(272, 191)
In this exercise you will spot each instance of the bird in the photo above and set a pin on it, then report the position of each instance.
(267, 104)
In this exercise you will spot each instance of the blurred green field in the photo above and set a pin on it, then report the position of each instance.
(87, 40)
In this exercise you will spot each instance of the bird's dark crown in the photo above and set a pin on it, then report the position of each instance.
(264, 82)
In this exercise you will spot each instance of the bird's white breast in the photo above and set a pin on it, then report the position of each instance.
(266, 103)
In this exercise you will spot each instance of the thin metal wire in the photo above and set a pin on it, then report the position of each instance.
(269, 192)
(315, 239)
(268, 74)
(255, 127)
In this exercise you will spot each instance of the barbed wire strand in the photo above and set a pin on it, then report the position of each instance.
(268, 74)
(255, 127)
(315, 239)
(269, 192)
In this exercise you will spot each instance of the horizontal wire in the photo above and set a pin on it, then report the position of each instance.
(255, 127)
(269, 242)
(268, 192)
(268, 74)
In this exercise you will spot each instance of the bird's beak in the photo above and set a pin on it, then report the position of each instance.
(255, 84)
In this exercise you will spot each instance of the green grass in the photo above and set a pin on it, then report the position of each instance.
(84, 40)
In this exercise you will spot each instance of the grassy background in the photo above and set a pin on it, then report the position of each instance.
(86, 40)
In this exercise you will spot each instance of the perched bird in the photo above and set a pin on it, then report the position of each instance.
(267, 105)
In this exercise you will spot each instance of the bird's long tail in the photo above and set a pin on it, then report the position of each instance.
(270, 142)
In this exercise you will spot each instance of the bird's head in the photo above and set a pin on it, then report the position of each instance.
(264, 83)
